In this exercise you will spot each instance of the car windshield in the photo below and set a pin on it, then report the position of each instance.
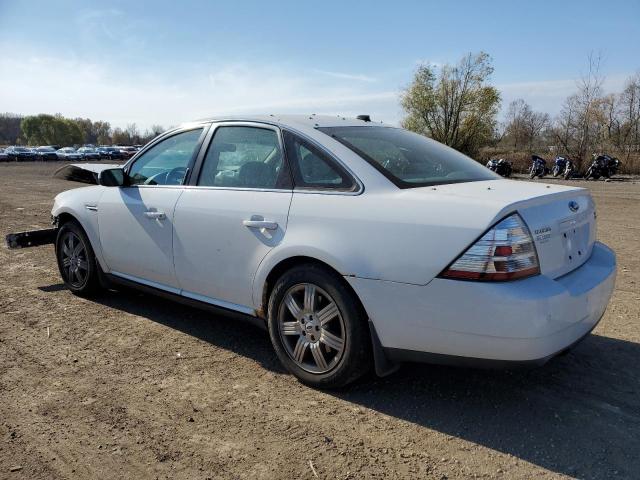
(46, 149)
(21, 149)
(408, 159)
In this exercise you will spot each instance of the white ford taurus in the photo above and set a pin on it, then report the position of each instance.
(358, 244)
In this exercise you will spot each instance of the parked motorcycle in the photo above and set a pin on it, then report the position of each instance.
(569, 170)
(502, 167)
(602, 166)
(559, 166)
(538, 167)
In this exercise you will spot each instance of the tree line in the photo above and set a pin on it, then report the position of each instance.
(46, 129)
(455, 104)
(458, 106)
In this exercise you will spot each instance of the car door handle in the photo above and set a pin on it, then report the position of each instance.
(260, 224)
(154, 214)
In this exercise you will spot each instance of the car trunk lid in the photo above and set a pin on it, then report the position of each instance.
(561, 219)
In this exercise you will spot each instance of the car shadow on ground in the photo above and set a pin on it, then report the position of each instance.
(579, 415)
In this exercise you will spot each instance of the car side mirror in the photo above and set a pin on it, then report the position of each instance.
(112, 177)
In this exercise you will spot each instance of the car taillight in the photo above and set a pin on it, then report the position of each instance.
(505, 252)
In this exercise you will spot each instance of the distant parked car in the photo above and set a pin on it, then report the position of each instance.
(104, 155)
(128, 152)
(110, 153)
(3, 155)
(46, 153)
(68, 153)
(21, 154)
(89, 153)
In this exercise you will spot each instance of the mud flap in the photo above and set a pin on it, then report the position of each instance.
(34, 238)
(383, 365)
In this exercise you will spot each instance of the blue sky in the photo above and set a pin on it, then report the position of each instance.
(167, 62)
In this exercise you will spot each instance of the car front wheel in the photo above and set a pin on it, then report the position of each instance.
(317, 328)
(76, 260)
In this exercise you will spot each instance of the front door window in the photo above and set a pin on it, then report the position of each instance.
(166, 163)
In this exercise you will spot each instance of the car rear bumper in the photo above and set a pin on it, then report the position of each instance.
(526, 321)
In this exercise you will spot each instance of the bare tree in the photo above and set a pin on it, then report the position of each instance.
(524, 127)
(156, 130)
(629, 105)
(134, 133)
(578, 126)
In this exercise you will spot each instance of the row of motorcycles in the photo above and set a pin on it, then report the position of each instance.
(601, 166)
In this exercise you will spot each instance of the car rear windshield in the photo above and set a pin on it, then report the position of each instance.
(408, 159)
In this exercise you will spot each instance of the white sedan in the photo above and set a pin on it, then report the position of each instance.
(359, 245)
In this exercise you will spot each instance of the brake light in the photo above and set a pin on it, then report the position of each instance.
(505, 252)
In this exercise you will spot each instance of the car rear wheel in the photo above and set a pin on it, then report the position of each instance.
(76, 260)
(318, 328)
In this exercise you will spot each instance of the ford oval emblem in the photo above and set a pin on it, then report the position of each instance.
(573, 206)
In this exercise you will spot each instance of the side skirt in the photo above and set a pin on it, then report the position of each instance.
(116, 280)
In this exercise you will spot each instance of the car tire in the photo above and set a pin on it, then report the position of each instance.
(318, 328)
(77, 263)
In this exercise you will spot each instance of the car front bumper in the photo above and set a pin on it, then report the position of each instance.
(482, 323)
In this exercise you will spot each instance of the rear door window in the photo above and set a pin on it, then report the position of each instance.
(245, 157)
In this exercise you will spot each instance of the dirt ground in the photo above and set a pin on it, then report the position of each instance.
(131, 386)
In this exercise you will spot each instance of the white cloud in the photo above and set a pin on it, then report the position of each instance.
(347, 76)
(73, 88)
(549, 95)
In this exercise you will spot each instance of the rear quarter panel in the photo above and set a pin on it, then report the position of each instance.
(390, 235)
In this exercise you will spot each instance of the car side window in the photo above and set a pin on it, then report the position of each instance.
(312, 168)
(166, 163)
(245, 157)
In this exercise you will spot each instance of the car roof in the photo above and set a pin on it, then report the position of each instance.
(298, 121)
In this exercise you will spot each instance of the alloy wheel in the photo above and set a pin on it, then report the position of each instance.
(74, 259)
(311, 328)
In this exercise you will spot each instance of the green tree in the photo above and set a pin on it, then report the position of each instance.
(71, 133)
(50, 130)
(456, 106)
(86, 126)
